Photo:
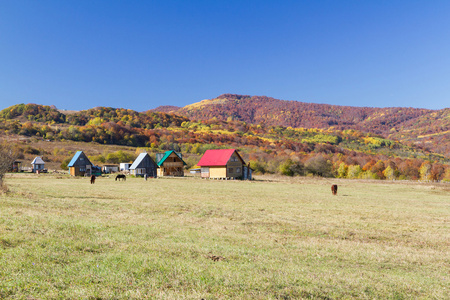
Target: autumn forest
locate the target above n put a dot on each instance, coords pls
(276, 136)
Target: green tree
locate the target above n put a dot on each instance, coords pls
(291, 168)
(65, 163)
(319, 165)
(354, 171)
(368, 175)
(259, 167)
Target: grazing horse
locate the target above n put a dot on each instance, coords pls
(121, 176)
(92, 179)
(334, 189)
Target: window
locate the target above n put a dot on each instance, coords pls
(230, 170)
(82, 169)
(238, 170)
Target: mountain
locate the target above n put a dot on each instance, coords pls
(422, 127)
(275, 112)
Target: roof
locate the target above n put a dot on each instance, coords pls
(138, 160)
(166, 155)
(37, 161)
(217, 157)
(76, 157)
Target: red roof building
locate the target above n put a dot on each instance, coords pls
(222, 163)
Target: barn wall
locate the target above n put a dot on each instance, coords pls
(217, 172)
(75, 171)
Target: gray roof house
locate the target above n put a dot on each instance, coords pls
(144, 164)
(38, 164)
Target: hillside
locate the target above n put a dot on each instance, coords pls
(329, 152)
(421, 127)
(165, 108)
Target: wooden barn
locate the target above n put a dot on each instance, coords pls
(38, 165)
(144, 164)
(170, 163)
(222, 163)
(80, 165)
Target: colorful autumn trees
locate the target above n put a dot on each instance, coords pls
(290, 151)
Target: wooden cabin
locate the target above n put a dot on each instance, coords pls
(38, 165)
(80, 165)
(144, 164)
(170, 163)
(222, 163)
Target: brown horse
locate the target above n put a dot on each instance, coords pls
(92, 179)
(334, 189)
(121, 176)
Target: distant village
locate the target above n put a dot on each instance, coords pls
(214, 164)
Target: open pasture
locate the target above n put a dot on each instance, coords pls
(188, 238)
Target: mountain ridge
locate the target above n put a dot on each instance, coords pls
(428, 127)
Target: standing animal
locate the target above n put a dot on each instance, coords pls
(121, 176)
(92, 179)
(334, 189)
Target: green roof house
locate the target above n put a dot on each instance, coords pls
(170, 163)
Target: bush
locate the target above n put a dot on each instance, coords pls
(291, 168)
(319, 165)
(65, 162)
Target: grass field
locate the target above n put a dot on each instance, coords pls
(188, 238)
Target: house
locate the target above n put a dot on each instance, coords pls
(143, 164)
(222, 163)
(170, 163)
(124, 166)
(108, 169)
(38, 165)
(80, 165)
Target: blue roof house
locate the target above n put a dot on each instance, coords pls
(80, 165)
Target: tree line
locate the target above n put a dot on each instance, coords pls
(290, 151)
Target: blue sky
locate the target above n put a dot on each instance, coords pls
(142, 54)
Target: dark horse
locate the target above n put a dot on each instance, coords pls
(92, 179)
(121, 176)
(334, 189)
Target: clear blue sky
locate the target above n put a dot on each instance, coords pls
(142, 54)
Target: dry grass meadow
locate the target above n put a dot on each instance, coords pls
(188, 238)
